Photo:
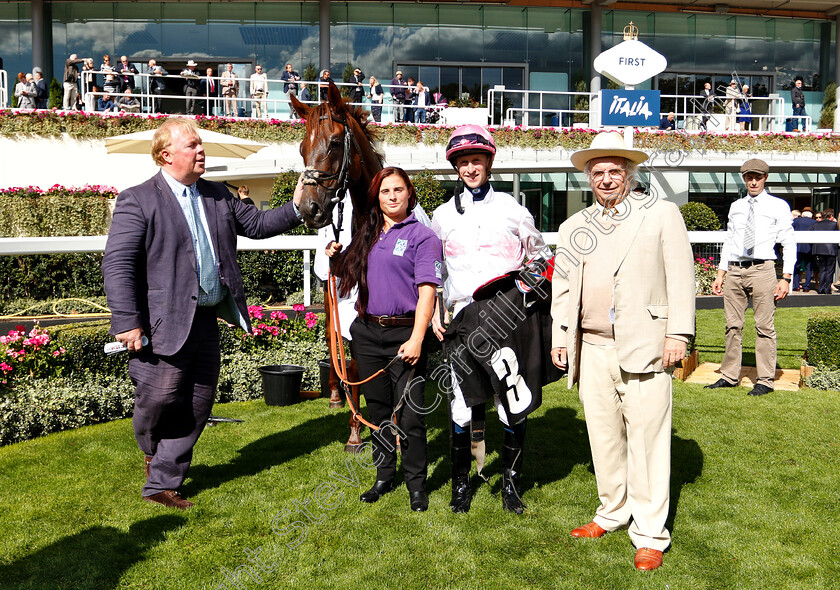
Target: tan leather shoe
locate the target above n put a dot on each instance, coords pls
(647, 559)
(589, 531)
(170, 499)
(147, 462)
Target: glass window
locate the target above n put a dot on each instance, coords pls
(460, 34)
(15, 37)
(450, 82)
(229, 26)
(753, 44)
(675, 38)
(549, 38)
(416, 33)
(181, 33)
(91, 30)
(505, 34)
(277, 34)
(371, 39)
(137, 30)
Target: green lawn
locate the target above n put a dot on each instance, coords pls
(790, 335)
(754, 489)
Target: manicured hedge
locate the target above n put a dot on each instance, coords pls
(823, 333)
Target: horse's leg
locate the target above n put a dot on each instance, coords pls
(354, 443)
(336, 400)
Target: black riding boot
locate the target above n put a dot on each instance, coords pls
(512, 465)
(461, 458)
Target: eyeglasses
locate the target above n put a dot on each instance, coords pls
(818, 217)
(615, 174)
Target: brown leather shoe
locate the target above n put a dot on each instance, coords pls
(147, 462)
(589, 531)
(170, 499)
(647, 559)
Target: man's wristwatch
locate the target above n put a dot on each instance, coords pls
(786, 279)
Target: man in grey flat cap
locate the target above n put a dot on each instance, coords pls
(748, 261)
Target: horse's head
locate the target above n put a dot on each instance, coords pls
(332, 157)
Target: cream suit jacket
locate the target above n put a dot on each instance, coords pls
(653, 283)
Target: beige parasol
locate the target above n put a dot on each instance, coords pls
(215, 144)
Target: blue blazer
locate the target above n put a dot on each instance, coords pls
(149, 264)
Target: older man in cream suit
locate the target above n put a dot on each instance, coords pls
(623, 312)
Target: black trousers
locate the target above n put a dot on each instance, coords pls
(373, 346)
(826, 264)
(173, 398)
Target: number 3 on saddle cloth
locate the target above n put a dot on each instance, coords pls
(499, 344)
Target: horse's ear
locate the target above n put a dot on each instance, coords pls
(301, 109)
(334, 95)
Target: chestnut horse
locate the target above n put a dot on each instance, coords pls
(339, 156)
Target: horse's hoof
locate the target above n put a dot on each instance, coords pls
(336, 400)
(352, 448)
(336, 404)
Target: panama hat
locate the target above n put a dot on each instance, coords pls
(607, 144)
(191, 63)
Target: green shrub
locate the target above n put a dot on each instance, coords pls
(57, 211)
(829, 107)
(823, 333)
(824, 378)
(240, 378)
(56, 94)
(84, 343)
(430, 193)
(39, 406)
(699, 217)
(50, 276)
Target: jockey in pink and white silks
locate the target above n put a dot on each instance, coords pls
(485, 234)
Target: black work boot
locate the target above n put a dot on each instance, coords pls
(461, 458)
(512, 466)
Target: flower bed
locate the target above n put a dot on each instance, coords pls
(95, 125)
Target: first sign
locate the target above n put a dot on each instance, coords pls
(630, 63)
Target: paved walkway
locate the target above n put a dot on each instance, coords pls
(786, 379)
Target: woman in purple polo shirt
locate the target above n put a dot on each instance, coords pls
(396, 263)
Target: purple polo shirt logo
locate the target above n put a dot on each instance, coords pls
(438, 269)
(400, 246)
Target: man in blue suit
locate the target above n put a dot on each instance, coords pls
(170, 270)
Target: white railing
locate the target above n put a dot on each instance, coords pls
(305, 244)
(689, 113)
(275, 106)
(4, 89)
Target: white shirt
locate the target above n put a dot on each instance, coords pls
(773, 224)
(259, 83)
(493, 237)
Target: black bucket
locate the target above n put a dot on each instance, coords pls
(324, 365)
(281, 384)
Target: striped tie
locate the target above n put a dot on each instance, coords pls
(207, 275)
(749, 230)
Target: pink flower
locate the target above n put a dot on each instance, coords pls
(6, 368)
(298, 307)
(278, 315)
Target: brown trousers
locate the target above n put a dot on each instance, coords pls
(759, 283)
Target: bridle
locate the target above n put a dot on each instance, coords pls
(313, 176)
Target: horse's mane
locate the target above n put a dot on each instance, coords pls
(360, 115)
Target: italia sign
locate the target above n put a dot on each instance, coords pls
(637, 108)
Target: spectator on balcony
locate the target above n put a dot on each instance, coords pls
(230, 91)
(398, 87)
(71, 82)
(324, 84)
(126, 73)
(25, 91)
(797, 101)
(422, 101)
(191, 83)
(110, 84)
(745, 110)
(290, 78)
(42, 101)
(157, 85)
(105, 103)
(410, 95)
(243, 192)
(88, 78)
(668, 122)
(210, 92)
(128, 103)
(259, 92)
(377, 97)
(357, 91)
